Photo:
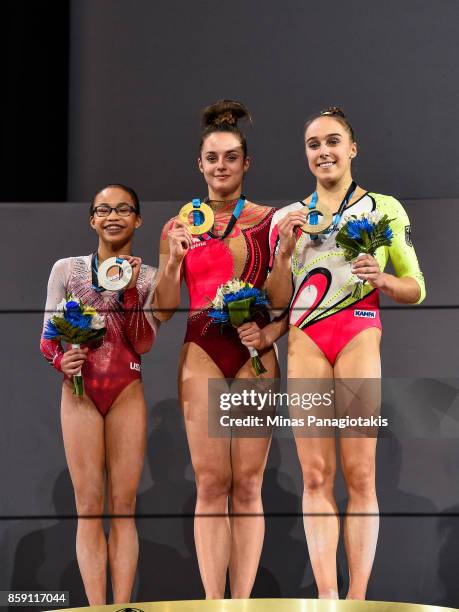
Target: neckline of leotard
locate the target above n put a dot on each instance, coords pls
(346, 207)
(231, 223)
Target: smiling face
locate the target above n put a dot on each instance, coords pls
(329, 150)
(115, 229)
(223, 164)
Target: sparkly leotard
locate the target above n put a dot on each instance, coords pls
(322, 304)
(113, 363)
(244, 254)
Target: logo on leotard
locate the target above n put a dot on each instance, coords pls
(135, 366)
(365, 314)
(198, 243)
(408, 238)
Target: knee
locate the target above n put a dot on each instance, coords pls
(247, 489)
(122, 503)
(211, 486)
(317, 479)
(89, 501)
(360, 480)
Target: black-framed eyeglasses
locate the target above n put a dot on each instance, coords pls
(123, 210)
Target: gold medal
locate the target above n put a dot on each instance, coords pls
(205, 210)
(323, 224)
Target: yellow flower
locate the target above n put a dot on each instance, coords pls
(89, 310)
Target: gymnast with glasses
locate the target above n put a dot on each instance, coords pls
(104, 431)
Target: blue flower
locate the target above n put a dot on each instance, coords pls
(245, 294)
(389, 233)
(356, 227)
(50, 332)
(219, 316)
(72, 305)
(77, 319)
(353, 230)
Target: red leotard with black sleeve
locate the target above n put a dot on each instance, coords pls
(243, 254)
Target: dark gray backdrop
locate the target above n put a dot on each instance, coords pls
(140, 73)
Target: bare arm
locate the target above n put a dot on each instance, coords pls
(175, 242)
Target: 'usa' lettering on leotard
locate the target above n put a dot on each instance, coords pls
(365, 314)
(135, 366)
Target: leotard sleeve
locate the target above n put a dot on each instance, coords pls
(52, 350)
(140, 324)
(401, 251)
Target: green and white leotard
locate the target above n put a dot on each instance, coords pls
(323, 281)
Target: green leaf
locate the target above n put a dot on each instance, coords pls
(239, 311)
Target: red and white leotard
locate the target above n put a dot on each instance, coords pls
(113, 363)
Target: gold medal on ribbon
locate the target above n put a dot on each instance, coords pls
(323, 224)
(206, 212)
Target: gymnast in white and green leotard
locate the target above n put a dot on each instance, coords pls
(334, 336)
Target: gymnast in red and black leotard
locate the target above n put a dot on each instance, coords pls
(210, 263)
(226, 470)
(104, 431)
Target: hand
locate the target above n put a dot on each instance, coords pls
(72, 361)
(180, 241)
(287, 227)
(252, 336)
(366, 268)
(135, 263)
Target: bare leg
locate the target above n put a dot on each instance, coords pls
(317, 457)
(125, 432)
(360, 359)
(248, 459)
(83, 433)
(212, 468)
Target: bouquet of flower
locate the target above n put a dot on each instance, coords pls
(236, 302)
(75, 323)
(363, 234)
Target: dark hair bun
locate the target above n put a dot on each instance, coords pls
(333, 111)
(224, 112)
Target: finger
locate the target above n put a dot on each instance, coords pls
(248, 333)
(180, 240)
(80, 352)
(72, 371)
(131, 259)
(293, 221)
(182, 235)
(244, 327)
(297, 222)
(363, 259)
(251, 338)
(365, 265)
(74, 358)
(177, 223)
